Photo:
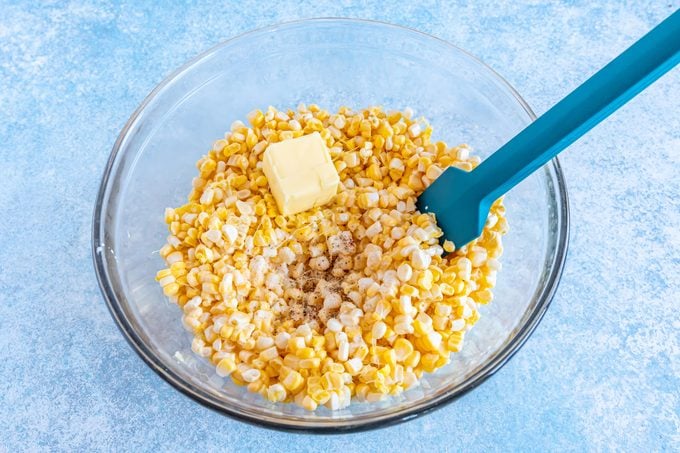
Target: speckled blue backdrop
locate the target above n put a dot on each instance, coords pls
(601, 372)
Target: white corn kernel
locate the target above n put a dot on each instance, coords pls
(320, 263)
(343, 351)
(333, 402)
(378, 330)
(354, 365)
(420, 259)
(374, 230)
(264, 343)
(332, 301)
(404, 272)
(230, 232)
(334, 325)
(457, 325)
(251, 375)
(276, 393)
(281, 340)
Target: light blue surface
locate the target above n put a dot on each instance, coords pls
(602, 370)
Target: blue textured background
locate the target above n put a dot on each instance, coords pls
(601, 371)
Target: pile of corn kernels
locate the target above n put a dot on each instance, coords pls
(354, 299)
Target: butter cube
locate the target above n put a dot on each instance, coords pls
(300, 173)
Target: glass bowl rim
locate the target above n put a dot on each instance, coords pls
(176, 381)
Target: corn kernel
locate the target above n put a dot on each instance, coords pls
(293, 381)
(309, 403)
(276, 393)
(402, 348)
(310, 363)
(305, 353)
(225, 367)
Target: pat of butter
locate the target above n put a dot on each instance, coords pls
(301, 173)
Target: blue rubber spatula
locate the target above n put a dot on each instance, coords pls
(461, 200)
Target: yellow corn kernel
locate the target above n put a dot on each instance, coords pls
(308, 403)
(320, 396)
(336, 368)
(420, 327)
(226, 366)
(291, 361)
(259, 239)
(361, 390)
(305, 353)
(399, 141)
(442, 309)
(226, 331)
(368, 374)
(160, 275)
(374, 173)
(295, 344)
(429, 362)
(170, 215)
(332, 381)
(455, 341)
(171, 289)
(408, 290)
(293, 381)
(231, 149)
(459, 286)
(280, 221)
(286, 135)
(276, 393)
(318, 342)
(361, 352)
(237, 379)
(178, 268)
(443, 359)
(354, 126)
(381, 390)
(256, 387)
(431, 341)
(425, 280)
(239, 181)
(483, 296)
(402, 349)
(368, 200)
(314, 125)
(378, 142)
(446, 289)
(313, 383)
(389, 357)
(351, 159)
(330, 340)
(256, 118)
(310, 363)
(269, 354)
(207, 168)
(260, 208)
(412, 359)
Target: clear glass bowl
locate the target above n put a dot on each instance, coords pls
(330, 62)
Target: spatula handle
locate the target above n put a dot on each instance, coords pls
(632, 71)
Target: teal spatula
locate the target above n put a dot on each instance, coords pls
(461, 200)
